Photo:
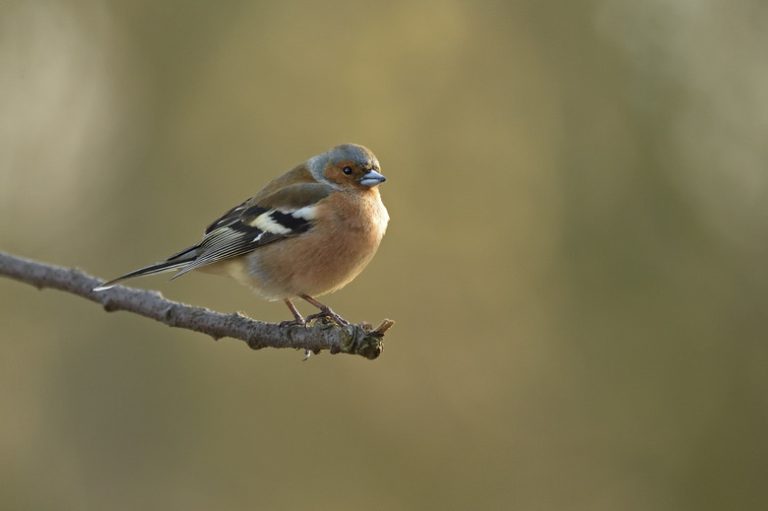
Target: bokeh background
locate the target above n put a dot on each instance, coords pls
(576, 257)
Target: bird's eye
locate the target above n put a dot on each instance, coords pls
(347, 170)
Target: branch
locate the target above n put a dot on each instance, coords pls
(353, 339)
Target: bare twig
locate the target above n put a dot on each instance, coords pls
(353, 339)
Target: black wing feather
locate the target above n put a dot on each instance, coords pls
(234, 233)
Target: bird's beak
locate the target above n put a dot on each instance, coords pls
(372, 178)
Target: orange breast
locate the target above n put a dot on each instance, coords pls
(346, 235)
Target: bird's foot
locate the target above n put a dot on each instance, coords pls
(293, 322)
(327, 313)
(298, 318)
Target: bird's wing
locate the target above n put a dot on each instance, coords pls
(285, 213)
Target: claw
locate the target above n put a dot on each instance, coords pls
(329, 314)
(325, 311)
(293, 322)
(298, 318)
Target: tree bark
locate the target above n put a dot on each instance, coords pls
(319, 335)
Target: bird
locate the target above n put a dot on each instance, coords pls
(306, 233)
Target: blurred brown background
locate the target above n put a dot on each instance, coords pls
(576, 257)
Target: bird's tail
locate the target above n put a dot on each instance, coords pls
(174, 262)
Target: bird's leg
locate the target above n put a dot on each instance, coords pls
(325, 311)
(299, 319)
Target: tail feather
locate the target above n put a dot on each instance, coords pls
(148, 270)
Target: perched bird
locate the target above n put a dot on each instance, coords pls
(306, 233)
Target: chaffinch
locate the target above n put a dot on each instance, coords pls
(306, 233)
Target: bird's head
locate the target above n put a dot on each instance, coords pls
(348, 165)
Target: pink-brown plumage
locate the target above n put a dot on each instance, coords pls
(307, 232)
(344, 239)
